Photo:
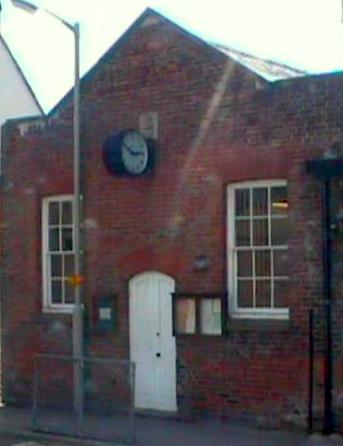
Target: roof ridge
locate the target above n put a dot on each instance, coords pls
(271, 61)
(271, 70)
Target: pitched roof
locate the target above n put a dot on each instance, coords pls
(268, 69)
(21, 74)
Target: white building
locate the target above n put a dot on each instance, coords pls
(16, 96)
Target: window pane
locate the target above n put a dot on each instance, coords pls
(263, 293)
(242, 202)
(56, 291)
(245, 293)
(260, 232)
(67, 213)
(56, 266)
(69, 293)
(185, 316)
(54, 239)
(244, 263)
(280, 262)
(211, 322)
(242, 233)
(260, 201)
(69, 265)
(279, 231)
(54, 213)
(279, 203)
(280, 293)
(67, 239)
(262, 264)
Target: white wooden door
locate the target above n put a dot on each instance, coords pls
(152, 344)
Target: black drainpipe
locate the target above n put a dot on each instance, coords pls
(327, 288)
(326, 169)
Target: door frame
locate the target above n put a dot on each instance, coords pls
(132, 282)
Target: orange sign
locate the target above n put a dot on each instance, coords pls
(76, 280)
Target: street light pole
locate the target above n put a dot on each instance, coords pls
(77, 314)
(78, 278)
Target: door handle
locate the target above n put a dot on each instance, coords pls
(158, 355)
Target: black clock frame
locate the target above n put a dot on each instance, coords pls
(112, 155)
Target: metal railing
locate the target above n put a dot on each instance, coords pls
(107, 411)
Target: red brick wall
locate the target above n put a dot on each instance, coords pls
(218, 123)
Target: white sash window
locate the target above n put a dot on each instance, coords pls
(58, 253)
(258, 249)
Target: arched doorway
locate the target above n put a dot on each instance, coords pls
(152, 345)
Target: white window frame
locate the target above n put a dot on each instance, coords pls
(234, 311)
(48, 306)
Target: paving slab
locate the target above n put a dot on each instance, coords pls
(15, 430)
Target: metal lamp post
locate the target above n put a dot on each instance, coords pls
(77, 314)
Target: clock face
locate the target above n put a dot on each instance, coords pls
(134, 152)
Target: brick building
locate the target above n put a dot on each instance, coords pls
(210, 201)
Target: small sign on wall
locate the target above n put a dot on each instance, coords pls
(148, 125)
(105, 314)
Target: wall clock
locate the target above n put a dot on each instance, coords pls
(127, 152)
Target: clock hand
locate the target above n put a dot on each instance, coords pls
(133, 152)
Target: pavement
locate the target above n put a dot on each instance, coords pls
(15, 430)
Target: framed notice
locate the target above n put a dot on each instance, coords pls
(199, 314)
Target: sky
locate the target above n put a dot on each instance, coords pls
(306, 34)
